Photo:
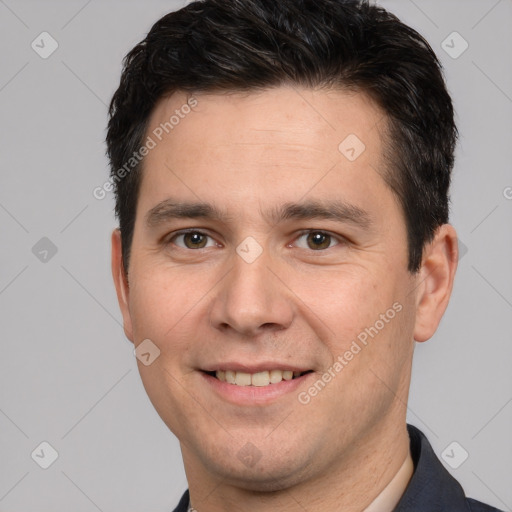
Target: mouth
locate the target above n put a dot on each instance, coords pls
(258, 379)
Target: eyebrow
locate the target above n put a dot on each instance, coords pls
(337, 210)
(331, 210)
(170, 209)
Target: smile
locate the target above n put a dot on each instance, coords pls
(259, 379)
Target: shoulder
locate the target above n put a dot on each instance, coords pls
(183, 504)
(432, 487)
(477, 506)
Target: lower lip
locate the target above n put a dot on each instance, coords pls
(252, 395)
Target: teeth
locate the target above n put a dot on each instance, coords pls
(242, 379)
(260, 379)
(255, 379)
(276, 376)
(230, 376)
(287, 375)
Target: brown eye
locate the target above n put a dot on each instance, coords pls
(318, 240)
(194, 240)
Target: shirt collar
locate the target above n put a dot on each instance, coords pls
(387, 500)
(431, 487)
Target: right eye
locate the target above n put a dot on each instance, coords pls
(192, 240)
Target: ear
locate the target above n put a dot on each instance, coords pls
(435, 278)
(121, 283)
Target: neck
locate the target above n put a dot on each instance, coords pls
(373, 477)
(388, 499)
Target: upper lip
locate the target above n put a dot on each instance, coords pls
(254, 368)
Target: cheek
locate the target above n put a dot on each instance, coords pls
(162, 302)
(368, 319)
(347, 299)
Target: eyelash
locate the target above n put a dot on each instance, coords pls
(338, 238)
(185, 232)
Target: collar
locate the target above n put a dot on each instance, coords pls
(431, 487)
(387, 500)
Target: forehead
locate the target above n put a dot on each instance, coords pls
(273, 115)
(286, 142)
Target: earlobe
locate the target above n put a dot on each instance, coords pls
(436, 276)
(121, 283)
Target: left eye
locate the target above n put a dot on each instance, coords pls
(192, 240)
(316, 240)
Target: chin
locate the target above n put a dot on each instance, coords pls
(269, 474)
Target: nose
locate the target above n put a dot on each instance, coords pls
(252, 299)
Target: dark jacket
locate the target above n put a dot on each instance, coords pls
(431, 489)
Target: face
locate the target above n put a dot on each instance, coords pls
(267, 245)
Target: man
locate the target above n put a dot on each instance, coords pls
(281, 172)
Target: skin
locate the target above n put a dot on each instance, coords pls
(245, 154)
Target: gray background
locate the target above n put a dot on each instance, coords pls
(67, 373)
